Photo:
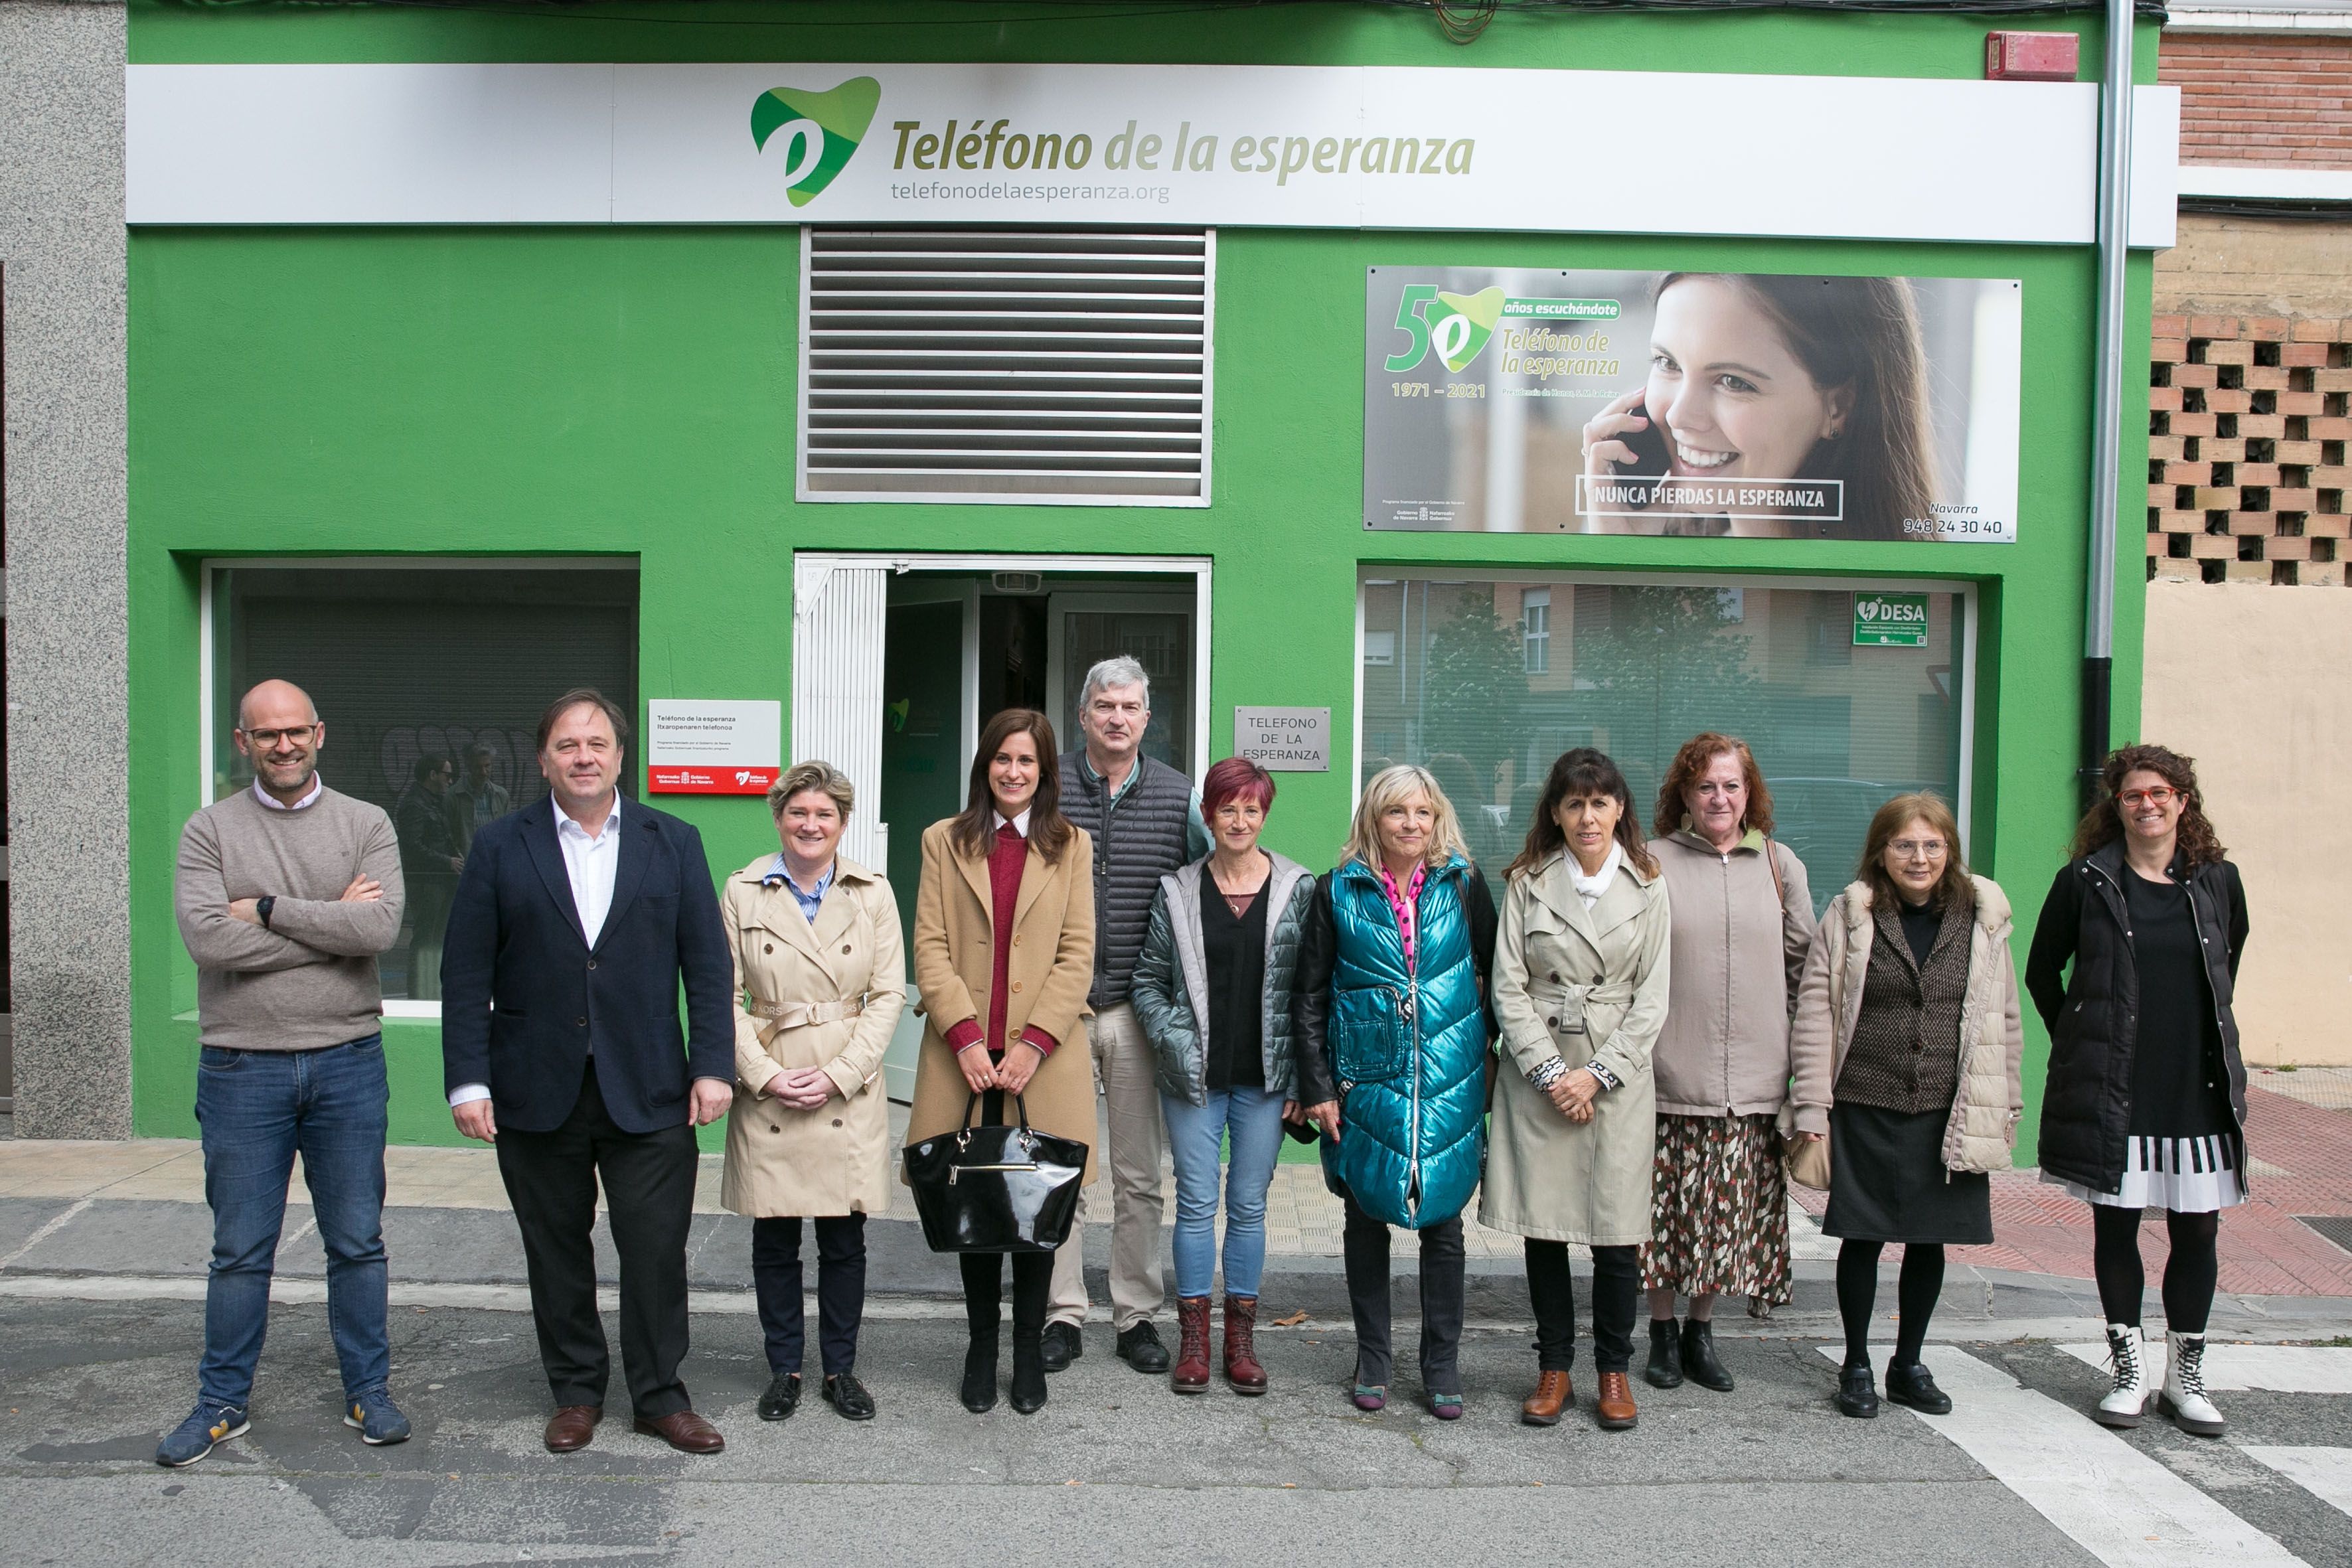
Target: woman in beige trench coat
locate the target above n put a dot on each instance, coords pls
(1581, 973)
(820, 979)
(1004, 950)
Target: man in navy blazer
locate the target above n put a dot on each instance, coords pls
(576, 920)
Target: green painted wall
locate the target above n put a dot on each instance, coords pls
(631, 391)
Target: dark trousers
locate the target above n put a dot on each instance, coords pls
(1616, 1283)
(1366, 1245)
(840, 1289)
(648, 1182)
(983, 1272)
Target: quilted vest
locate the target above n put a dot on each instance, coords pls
(1138, 841)
(1411, 1053)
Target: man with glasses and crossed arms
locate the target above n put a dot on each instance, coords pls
(286, 892)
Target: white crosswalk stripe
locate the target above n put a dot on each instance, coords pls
(2324, 1473)
(2123, 1507)
(2280, 1369)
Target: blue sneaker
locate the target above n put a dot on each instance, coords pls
(378, 1419)
(191, 1440)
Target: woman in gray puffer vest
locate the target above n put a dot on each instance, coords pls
(1212, 992)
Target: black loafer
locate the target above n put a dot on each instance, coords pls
(1856, 1396)
(1140, 1347)
(784, 1397)
(1913, 1386)
(847, 1396)
(1060, 1346)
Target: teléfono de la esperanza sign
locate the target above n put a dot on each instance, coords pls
(1313, 147)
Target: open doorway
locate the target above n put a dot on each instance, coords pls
(898, 662)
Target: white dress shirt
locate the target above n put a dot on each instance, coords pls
(309, 796)
(1018, 824)
(591, 864)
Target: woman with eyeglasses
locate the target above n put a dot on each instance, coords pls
(2147, 1100)
(1908, 1014)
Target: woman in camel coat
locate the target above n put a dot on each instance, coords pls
(820, 981)
(1005, 952)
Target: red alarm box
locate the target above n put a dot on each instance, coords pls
(2032, 57)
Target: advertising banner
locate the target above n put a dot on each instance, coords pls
(1274, 147)
(1700, 405)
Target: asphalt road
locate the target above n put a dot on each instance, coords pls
(1117, 1470)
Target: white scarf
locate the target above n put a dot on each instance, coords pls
(1590, 889)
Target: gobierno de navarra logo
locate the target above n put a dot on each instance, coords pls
(816, 130)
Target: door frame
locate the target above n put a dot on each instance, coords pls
(811, 564)
(1058, 673)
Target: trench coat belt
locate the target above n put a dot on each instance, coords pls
(1617, 994)
(799, 1014)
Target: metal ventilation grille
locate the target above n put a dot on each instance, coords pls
(1007, 363)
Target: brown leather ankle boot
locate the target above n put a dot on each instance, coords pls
(1190, 1373)
(1554, 1393)
(1242, 1368)
(1614, 1409)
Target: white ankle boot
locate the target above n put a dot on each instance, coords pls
(2184, 1398)
(2126, 1402)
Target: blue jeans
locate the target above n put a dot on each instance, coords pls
(1195, 1135)
(258, 1109)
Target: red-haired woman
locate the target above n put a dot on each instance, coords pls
(1212, 993)
(1004, 950)
(1743, 921)
(2146, 1098)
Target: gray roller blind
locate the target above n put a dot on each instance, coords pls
(1031, 364)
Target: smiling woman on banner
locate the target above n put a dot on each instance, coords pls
(1755, 377)
(820, 980)
(1004, 950)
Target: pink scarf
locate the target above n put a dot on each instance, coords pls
(1403, 904)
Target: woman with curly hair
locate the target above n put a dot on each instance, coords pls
(1743, 923)
(2147, 1100)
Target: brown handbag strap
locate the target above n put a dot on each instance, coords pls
(1779, 889)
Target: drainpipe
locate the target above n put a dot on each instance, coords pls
(2107, 409)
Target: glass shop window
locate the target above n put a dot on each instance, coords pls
(1490, 681)
(430, 683)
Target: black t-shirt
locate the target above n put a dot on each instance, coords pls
(2180, 1085)
(1921, 922)
(1235, 948)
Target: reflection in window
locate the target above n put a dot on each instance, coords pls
(430, 683)
(1638, 669)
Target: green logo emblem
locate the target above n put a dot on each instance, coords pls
(1460, 324)
(818, 131)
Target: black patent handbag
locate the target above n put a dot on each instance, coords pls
(996, 1189)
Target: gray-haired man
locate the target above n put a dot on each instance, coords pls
(1145, 819)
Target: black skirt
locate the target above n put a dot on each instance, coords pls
(1888, 1180)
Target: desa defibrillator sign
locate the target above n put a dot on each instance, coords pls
(1890, 620)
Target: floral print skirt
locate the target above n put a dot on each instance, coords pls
(1719, 1209)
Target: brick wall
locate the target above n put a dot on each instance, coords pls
(2248, 426)
(2262, 99)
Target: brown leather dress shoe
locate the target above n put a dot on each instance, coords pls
(569, 1429)
(1554, 1393)
(684, 1431)
(1615, 1408)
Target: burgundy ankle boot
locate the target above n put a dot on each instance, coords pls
(1190, 1373)
(1242, 1368)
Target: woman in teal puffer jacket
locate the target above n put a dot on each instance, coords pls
(1391, 1023)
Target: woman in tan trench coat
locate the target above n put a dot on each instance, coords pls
(820, 981)
(1581, 973)
(1004, 950)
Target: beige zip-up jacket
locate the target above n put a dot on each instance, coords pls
(1991, 1099)
(1738, 948)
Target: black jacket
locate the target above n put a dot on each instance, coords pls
(524, 998)
(2093, 1014)
(1139, 840)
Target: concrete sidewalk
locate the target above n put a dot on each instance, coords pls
(127, 1219)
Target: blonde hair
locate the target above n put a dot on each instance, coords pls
(812, 778)
(1392, 786)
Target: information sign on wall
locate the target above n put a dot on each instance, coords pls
(1285, 740)
(1890, 620)
(1701, 404)
(713, 747)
